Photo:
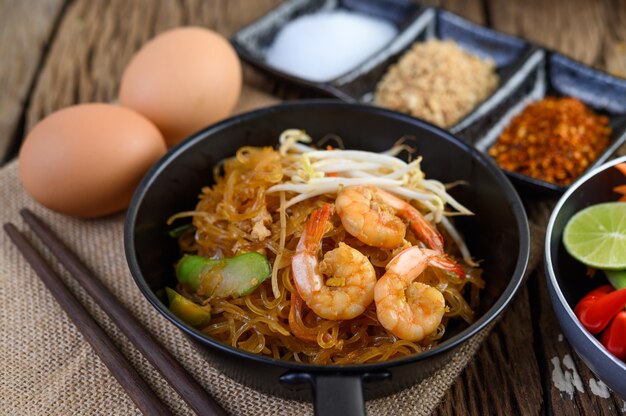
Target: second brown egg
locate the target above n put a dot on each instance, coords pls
(183, 80)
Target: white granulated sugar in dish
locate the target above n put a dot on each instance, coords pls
(325, 45)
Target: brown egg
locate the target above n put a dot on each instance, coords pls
(183, 80)
(87, 160)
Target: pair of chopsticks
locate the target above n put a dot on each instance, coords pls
(136, 387)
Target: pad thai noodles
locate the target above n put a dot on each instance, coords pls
(325, 256)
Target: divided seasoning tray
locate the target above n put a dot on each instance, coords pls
(551, 74)
(253, 41)
(527, 72)
(414, 24)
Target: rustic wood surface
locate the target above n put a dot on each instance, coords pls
(60, 52)
(22, 48)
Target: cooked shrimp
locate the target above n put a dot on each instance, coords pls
(350, 288)
(411, 310)
(374, 217)
(298, 329)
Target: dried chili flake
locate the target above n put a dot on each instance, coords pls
(554, 140)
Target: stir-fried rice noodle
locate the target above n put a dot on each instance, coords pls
(261, 201)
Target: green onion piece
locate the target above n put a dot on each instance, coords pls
(235, 276)
(617, 278)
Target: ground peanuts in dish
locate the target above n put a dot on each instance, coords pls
(437, 81)
(554, 140)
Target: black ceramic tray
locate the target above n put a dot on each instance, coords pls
(527, 71)
(252, 41)
(414, 23)
(548, 73)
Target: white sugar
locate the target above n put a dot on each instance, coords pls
(322, 46)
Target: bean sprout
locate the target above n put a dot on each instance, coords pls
(314, 172)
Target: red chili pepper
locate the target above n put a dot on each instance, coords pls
(614, 338)
(591, 297)
(596, 310)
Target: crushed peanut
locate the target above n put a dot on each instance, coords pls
(437, 81)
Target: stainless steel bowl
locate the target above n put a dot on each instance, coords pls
(566, 276)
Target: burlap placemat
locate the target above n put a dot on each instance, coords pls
(48, 368)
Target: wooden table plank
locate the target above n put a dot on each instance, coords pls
(576, 28)
(614, 52)
(506, 365)
(111, 31)
(25, 30)
(470, 9)
(496, 371)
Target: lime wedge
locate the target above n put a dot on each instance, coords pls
(596, 236)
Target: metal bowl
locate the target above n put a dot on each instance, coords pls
(567, 283)
(498, 234)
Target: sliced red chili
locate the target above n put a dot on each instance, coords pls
(614, 338)
(596, 310)
(591, 297)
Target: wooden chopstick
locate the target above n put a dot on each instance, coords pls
(138, 390)
(171, 370)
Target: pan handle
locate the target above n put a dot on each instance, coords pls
(336, 394)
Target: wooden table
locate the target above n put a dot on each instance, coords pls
(60, 52)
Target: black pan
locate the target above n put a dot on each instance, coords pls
(498, 234)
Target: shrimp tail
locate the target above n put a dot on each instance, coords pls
(425, 231)
(298, 329)
(448, 264)
(314, 229)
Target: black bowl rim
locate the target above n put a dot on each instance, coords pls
(449, 344)
(552, 282)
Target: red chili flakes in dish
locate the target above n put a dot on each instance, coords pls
(554, 140)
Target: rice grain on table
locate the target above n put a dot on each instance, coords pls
(437, 81)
